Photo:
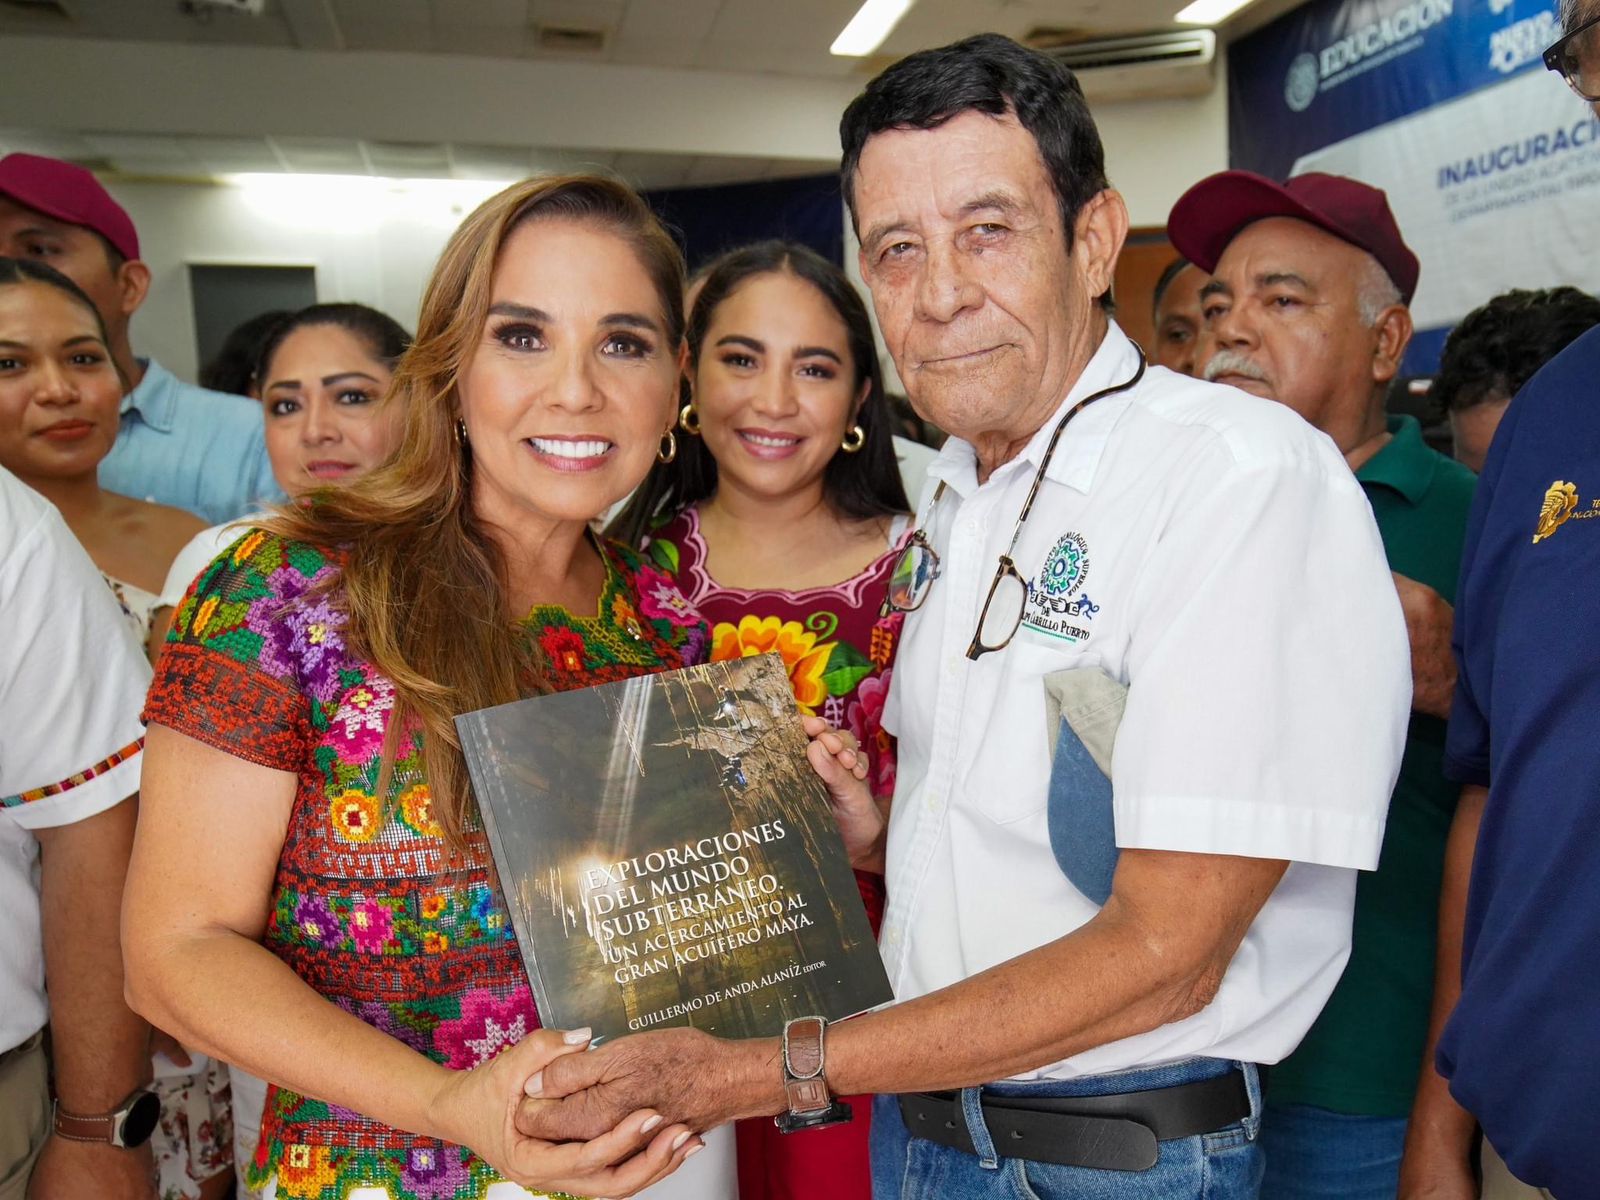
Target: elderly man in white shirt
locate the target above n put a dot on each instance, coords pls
(1149, 623)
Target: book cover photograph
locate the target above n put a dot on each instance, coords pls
(669, 856)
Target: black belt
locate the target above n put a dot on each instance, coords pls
(1108, 1133)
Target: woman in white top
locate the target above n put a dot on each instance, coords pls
(60, 401)
(320, 377)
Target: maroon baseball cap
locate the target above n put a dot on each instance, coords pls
(68, 193)
(1211, 213)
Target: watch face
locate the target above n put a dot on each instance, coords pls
(140, 1123)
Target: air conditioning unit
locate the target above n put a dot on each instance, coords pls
(1151, 66)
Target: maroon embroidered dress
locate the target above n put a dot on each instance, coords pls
(840, 656)
(363, 907)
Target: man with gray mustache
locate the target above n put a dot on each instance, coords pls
(1308, 307)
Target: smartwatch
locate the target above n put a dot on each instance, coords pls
(811, 1105)
(127, 1126)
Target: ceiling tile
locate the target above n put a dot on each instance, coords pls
(490, 162)
(653, 51)
(372, 12)
(408, 37)
(782, 23)
(794, 168)
(137, 145)
(653, 170)
(669, 20)
(231, 156)
(585, 14)
(505, 14)
(68, 146)
(409, 160)
(713, 169)
(322, 156)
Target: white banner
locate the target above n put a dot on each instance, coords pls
(1495, 190)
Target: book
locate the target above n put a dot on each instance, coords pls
(670, 857)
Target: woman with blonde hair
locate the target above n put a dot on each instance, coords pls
(344, 935)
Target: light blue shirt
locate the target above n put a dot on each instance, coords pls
(192, 448)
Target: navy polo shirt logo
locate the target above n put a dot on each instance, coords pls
(1560, 498)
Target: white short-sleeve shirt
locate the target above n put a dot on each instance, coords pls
(71, 687)
(196, 556)
(1214, 553)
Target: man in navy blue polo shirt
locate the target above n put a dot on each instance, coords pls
(1519, 1050)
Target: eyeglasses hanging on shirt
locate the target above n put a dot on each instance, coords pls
(1001, 616)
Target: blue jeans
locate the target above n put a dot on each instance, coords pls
(1225, 1165)
(1318, 1154)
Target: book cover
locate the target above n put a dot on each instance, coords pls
(669, 856)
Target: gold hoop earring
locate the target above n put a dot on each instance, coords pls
(668, 450)
(854, 440)
(689, 420)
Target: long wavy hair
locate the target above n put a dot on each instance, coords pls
(423, 581)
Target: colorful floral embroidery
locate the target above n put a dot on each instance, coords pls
(434, 1173)
(363, 715)
(663, 601)
(368, 907)
(488, 1024)
(355, 816)
(371, 925)
(821, 633)
(305, 1171)
(864, 719)
(563, 646)
(416, 810)
(314, 921)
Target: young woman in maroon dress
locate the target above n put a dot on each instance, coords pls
(781, 519)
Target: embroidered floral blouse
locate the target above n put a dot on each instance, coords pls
(364, 907)
(839, 651)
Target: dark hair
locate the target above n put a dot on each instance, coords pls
(860, 485)
(1175, 268)
(26, 270)
(234, 365)
(1497, 348)
(382, 335)
(994, 75)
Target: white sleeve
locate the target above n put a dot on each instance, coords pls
(196, 557)
(72, 680)
(1269, 673)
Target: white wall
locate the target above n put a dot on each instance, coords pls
(367, 243)
(372, 244)
(1155, 149)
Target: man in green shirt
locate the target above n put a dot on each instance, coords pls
(1308, 307)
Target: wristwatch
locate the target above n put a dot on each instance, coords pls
(811, 1105)
(128, 1125)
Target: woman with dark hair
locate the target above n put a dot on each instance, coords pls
(344, 934)
(60, 403)
(781, 517)
(233, 369)
(320, 374)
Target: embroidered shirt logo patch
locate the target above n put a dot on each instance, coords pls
(1056, 600)
(1560, 498)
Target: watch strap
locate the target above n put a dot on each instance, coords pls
(805, 1085)
(87, 1127)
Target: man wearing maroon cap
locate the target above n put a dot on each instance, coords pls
(1307, 307)
(178, 444)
